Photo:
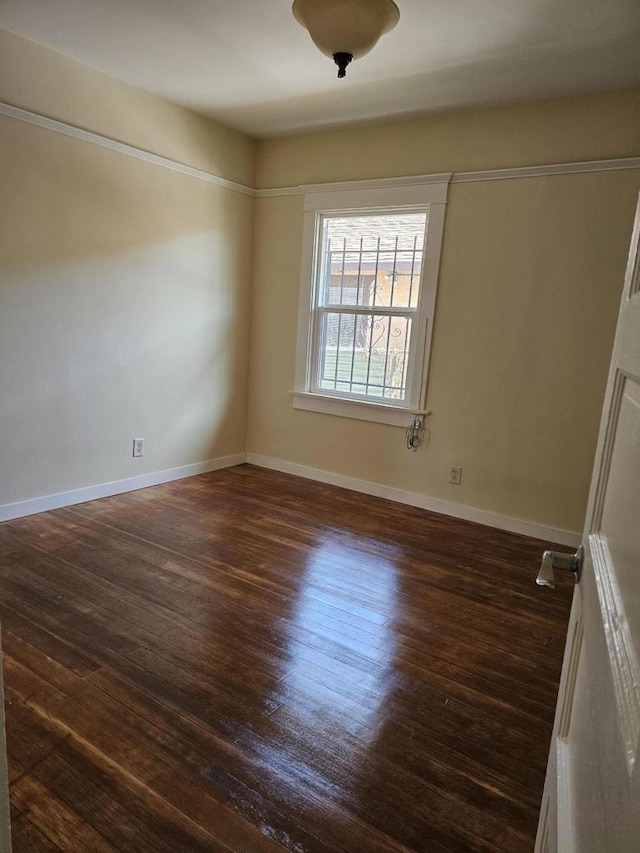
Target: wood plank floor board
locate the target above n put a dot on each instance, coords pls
(59, 650)
(160, 757)
(415, 808)
(61, 825)
(28, 839)
(127, 813)
(247, 661)
(422, 747)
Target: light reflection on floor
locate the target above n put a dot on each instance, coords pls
(338, 664)
(341, 654)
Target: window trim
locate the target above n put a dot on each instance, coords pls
(432, 195)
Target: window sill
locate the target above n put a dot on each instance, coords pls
(359, 410)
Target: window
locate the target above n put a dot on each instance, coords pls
(367, 300)
(369, 270)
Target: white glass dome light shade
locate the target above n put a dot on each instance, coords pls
(350, 27)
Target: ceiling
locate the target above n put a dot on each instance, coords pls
(248, 63)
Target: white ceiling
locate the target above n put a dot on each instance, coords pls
(248, 63)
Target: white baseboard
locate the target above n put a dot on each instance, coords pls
(131, 484)
(117, 487)
(468, 513)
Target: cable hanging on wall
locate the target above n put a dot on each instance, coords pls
(415, 433)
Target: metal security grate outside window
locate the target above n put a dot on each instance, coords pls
(370, 270)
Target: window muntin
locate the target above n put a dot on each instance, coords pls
(369, 271)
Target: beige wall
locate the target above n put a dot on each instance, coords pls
(593, 127)
(35, 78)
(124, 287)
(124, 293)
(529, 289)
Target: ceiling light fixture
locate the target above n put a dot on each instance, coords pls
(346, 29)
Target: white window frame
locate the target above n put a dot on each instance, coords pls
(362, 198)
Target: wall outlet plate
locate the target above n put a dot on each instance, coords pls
(455, 475)
(138, 446)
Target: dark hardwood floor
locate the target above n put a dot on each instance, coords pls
(250, 661)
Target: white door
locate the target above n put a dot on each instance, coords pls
(591, 802)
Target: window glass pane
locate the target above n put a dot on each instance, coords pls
(364, 354)
(373, 260)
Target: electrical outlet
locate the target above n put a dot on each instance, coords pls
(455, 475)
(138, 446)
